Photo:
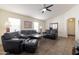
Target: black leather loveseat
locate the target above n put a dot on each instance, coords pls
(17, 42)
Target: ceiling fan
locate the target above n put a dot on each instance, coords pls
(46, 8)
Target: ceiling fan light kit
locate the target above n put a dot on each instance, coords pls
(43, 10)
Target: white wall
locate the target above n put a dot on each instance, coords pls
(62, 21)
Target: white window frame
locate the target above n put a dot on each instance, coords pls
(15, 24)
(36, 26)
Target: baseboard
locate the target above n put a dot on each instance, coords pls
(70, 35)
(61, 37)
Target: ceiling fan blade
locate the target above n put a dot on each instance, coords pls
(48, 9)
(49, 6)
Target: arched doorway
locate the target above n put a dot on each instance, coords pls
(71, 27)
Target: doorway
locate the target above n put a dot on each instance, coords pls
(71, 26)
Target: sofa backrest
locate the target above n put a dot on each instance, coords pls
(10, 35)
(51, 31)
(28, 32)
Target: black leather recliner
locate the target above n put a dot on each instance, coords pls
(10, 45)
(50, 34)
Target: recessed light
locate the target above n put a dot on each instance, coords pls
(71, 20)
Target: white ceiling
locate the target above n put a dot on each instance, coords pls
(34, 10)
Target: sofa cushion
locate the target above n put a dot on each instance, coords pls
(28, 32)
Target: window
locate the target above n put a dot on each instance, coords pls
(14, 24)
(54, 25)
(36, 26)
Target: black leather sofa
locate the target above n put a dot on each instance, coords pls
(51, 34)
(17, 42)
(27, 33)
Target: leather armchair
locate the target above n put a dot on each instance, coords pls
(10, 44)
(53, 34)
